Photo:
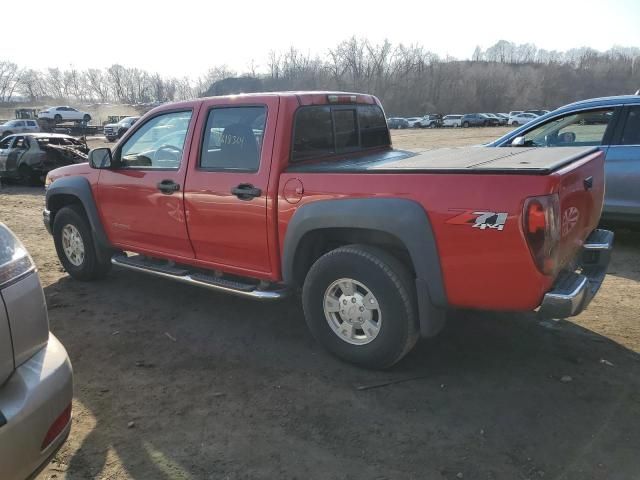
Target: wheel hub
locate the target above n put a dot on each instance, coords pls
(352, 311)
(73, 245)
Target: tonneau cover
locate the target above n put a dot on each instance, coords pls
(508, 160)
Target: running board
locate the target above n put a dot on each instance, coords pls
(181, 274)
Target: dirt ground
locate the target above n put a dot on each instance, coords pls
(223, 388)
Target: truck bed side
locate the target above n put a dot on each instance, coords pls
(482, 268)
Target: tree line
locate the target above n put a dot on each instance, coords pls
(409, 80)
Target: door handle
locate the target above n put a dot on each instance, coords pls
(168, 187)
(246, 191)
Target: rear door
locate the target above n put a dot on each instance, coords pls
(623, 168)
(141, 199)
(226, 189)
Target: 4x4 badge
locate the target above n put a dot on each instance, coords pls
(481, 220)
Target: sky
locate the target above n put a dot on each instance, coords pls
(187, 37)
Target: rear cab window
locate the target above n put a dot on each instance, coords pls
(326, 130)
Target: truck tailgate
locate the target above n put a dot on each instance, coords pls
(581, 193)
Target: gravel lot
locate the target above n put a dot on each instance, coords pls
(175, 382)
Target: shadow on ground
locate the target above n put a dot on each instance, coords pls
(220, 387)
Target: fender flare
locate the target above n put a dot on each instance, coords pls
(404, 219)
(80, 188)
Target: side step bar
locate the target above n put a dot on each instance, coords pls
(181, 274)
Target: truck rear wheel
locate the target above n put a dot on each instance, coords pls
(359, 303)
(76, 249)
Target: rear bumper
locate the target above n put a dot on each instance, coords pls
(573, 291)
(31, 400)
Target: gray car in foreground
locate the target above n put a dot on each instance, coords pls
(610, 123)
(36, 381)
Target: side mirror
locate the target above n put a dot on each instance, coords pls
(100, 158)
(518, 142)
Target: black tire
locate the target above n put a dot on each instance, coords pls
(465, 125)
(96, 262)
(57, 117)
(86, 118)
(121, 132)
(391, 284)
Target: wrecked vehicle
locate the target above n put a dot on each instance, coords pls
(29, 157)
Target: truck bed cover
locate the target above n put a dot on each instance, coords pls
(504, 160)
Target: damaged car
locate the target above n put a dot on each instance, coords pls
(29, 157)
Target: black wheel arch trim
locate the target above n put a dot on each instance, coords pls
(404, 219)
(80, 188)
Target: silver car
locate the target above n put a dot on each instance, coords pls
(613, 125)
(36, 382)
(18, 126)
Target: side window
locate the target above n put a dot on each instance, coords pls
(631, 133)
(6, 143)
(20, 143)
(373, 128)
(19, 124)
(232, 139)
(576, 129)
(313, 135)
(31, 123)
(158, 143)
(346, 129)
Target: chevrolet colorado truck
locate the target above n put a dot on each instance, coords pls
(261, 195)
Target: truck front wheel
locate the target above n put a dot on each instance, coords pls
(359, 303)
(76, 249)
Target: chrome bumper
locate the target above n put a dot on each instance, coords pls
(572, 291)
(46, 219)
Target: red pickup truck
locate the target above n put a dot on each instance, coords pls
(264, 194)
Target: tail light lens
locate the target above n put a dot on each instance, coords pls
(57, 427)
(541, 219)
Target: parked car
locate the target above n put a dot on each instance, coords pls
(452, 121)
(113, 131)
(611, 124)
(493, 119)
(29, 157)
(522, 119)
(430, 121)
(397, 122)
(539, 113)
(513, 113)
(502, 118)
(64, 114)
(36, 382)
(18, 126)
(382, 242)
(475, 120)
(414, 122)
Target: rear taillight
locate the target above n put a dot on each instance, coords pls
(57, 427)
(541, 224)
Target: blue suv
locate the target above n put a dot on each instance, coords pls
(610, 123)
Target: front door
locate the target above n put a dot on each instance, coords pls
(622, 196)
(226, 193)
(141, 198)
